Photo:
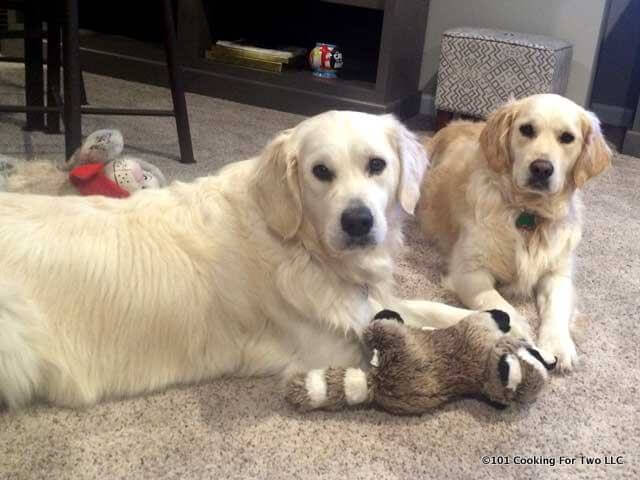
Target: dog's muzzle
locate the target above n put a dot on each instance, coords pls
(540, 172)
(357, 222)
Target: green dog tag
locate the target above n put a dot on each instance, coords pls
(526, 221)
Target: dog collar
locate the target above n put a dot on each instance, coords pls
(526, 221)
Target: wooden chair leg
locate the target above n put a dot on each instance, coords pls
(443, 117)
(83, 90)
(34, 70)
(53, 65)
(72, 79)
(177, 86)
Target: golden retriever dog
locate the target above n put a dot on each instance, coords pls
(503, 203)
(273, 266)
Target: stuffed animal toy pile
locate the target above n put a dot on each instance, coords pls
(413, 371)
(96, 168)
(101, 170)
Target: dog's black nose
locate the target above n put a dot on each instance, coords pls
(541, 169)
(357, 221)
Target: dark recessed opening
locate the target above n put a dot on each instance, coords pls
(355, 30)
(129, 18)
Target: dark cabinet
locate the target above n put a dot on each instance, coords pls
(382, 41)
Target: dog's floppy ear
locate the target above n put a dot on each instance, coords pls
(275, 186)
(496, 134)
(413, 164)
(595, 156)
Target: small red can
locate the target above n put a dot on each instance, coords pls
(325, 59)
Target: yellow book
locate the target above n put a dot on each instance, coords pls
(254, 63)
(281, 55)
(236, 52)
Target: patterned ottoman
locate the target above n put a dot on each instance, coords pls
(481, 68)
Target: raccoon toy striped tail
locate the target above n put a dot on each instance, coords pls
(330, 389)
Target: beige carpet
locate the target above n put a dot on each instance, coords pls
(243, 429)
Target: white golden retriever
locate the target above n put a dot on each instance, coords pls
(272, 266)
(502, 201)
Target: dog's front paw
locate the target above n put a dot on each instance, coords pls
(563, 348)
(520, 328)
(510, 324)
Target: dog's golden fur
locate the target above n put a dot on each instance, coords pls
(479, 186)
(242, 273)
(40, 177)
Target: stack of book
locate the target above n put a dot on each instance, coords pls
(250, 56)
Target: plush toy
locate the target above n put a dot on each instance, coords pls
(413, 371)
(97, 168)
(101, 170)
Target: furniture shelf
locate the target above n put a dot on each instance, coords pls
(374, 4)
(388, 83)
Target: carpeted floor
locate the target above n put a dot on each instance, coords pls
(243, 428)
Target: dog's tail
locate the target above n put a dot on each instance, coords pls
(458, 130)
(20, 364)
(330, 389)
(434, 146)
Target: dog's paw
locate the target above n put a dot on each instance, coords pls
(511, 322)
(520, 328)
(563, 348)
(516, 371)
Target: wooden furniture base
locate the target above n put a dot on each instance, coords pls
(64, 16)
(383, 78)
(443, 117)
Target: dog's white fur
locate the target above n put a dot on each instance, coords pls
(241, 273)
(479, 186)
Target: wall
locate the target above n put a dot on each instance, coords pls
(617, 80)
(577, 21)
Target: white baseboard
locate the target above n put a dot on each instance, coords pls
(428, 105)
(613, 114)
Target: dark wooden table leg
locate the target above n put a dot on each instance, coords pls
(631, 143)
(72, 79)
(83, 91)
(443, 117)
(177, 86)
(53, 64)
(33, 63)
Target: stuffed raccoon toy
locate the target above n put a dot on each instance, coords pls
(412, 370)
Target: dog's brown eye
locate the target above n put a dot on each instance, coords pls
(376, 165)
(566, 137)
(527, 130)
(322, 173)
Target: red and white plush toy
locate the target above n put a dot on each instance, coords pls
(96, 168)
(101, 170)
